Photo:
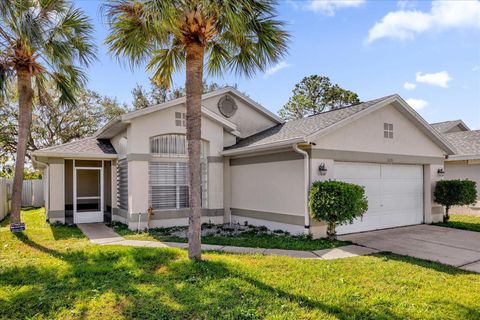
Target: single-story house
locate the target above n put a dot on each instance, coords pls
(257, 169)
(465, 163)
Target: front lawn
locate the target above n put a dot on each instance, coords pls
(464, 222)
(255, 237)
(53, 272)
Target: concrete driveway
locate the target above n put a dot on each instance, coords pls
(446, 245)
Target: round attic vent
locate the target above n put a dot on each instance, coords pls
(227, 106)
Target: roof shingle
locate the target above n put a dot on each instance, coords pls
(88, 145)
(465, 142)
(303, 127)
(444, 126)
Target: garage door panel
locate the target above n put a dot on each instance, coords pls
(398, 171)
(410, 188)
(394, 193)
(345, 170)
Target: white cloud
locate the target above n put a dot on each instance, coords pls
(274, 69)
(476, 68)
(328, 7)
(440, 79)
(405, 4)
(417, 104)
(409, 86)
(406, 24)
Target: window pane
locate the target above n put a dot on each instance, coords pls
(390, 135)
(182, 173)
(163, 197)
(162, 173)
(390, 126)
(385, 134)
(183, 197)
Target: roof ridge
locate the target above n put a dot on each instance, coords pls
(446, 121)
(349, 106)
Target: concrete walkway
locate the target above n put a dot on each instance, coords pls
(99, 233)
(458, 248)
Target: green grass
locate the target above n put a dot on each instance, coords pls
(255, 239)
(464, 222)
(53, 272)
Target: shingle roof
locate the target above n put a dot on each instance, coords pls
(444, 126)
(303, 127)
(465, 142)
(88, 145)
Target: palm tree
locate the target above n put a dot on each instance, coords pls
(40, 41)
(226, 35)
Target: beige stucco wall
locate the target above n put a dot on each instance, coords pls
(366, 135)
(119, 143)
(138, 154)
(248, 120)
(265, 186)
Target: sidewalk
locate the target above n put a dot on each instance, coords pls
(99, 233)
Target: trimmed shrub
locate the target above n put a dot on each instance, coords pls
(450, 193)
(336, 202)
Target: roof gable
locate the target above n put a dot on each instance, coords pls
(306, 129)
(119, 123)
(450, 126)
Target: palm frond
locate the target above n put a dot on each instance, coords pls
(6, 76)
(164, 63)
(130, 35)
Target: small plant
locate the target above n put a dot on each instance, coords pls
(336, 202)
(450, 193)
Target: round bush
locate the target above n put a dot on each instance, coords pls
(336, 202)
(455, 193)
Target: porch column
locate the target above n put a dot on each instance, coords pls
(56, 181)
(433, 212)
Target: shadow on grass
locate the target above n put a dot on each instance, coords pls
(469, 226)
(149, 283)
(436, 266)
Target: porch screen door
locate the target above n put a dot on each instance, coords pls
(87, 195)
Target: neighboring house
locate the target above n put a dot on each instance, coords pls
(465, 163)
(256, 168)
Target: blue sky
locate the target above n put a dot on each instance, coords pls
(429, 53)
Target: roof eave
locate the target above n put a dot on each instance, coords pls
(263, 147)
(109, 156)
(457, 157)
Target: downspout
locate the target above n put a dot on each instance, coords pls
(306, 179)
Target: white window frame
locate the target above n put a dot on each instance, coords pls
(180, 117)
(171, 157)
(388, 130)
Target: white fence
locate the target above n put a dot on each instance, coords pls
(32, 195)
(4, 198)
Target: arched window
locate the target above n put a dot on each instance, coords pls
(174, 145)
(168, 179)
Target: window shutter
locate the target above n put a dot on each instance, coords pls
(122, 184)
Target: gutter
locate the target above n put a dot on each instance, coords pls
(306, 179)
(262, 147)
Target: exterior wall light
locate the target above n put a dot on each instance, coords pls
(322, 169)
(441, 172)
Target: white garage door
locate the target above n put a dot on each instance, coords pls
(394, 192)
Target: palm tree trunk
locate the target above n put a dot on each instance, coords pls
(194, 85)
(25, 96)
